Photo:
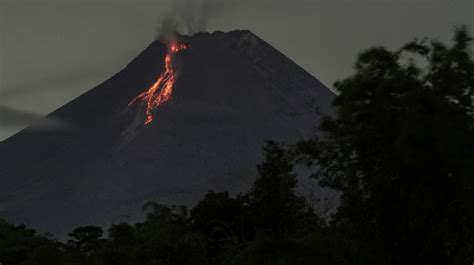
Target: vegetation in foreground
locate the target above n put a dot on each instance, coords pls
(399, 150)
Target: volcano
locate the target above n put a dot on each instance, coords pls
(231, 92)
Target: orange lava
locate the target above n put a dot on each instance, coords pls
(160, 92)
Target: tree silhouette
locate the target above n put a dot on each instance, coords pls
(400, 149)
(278, 209)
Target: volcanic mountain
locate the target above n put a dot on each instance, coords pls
(232, 91)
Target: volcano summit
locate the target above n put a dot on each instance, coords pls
(231, 91)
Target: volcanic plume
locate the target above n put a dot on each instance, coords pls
(234, 91)
(161, 91)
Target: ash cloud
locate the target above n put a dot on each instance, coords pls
(187, 17)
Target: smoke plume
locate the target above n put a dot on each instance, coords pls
(186, 17)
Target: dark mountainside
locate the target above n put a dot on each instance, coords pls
(233, 92)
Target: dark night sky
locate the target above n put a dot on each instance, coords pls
(51, 51)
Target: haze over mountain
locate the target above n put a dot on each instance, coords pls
(233, 91)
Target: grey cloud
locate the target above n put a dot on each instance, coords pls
(12, 118)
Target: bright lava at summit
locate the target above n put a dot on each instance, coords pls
(160, 92)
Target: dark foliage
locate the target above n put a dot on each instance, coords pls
(277, 209)
(401, 151)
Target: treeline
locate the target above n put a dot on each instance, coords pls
(269, 224)
(399, 150)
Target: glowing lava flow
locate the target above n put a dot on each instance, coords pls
(160, 92)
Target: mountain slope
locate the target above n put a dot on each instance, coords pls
(233, 91)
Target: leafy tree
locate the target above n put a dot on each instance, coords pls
(278, 210)
(166, 237)
(224, 221)
(401, 150)
(85, 244)
(287, 229)
(122, 234)
(122, 247)
(21, 245)
(86, 239)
